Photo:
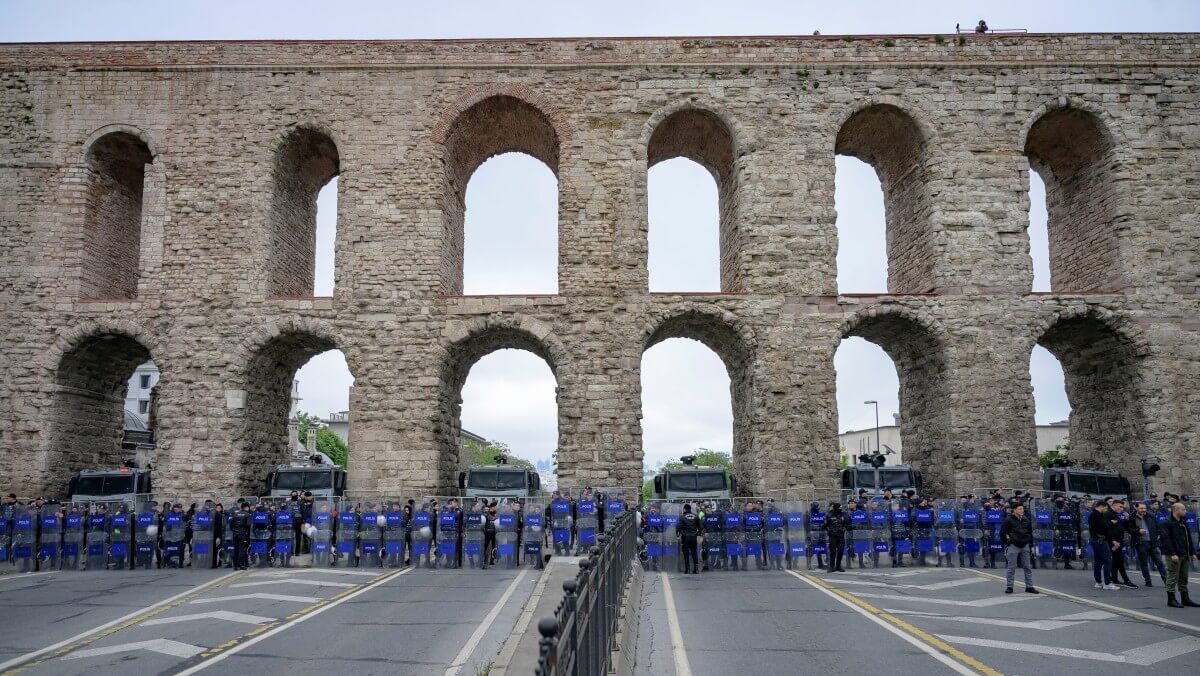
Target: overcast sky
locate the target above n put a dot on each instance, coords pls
(511, 244)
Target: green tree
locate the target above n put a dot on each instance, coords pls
(332, 445)
(475, 453)
(307, 421)
(843, 461)
(1059, 453)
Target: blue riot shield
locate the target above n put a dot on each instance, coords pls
(586, 522)
(393, 534)
(24, 539)
(203, 533)
(174, 537)
(422, 537)
(561, 521)
(285, 537)
(652, 535)
(794, 524)
(322, 533)
(449, 534)
(814, 530)
(735, 539)
(923, 540)
(120, 538)
(347, 537)
(773, 536)
(714, 538)
(1043, 528)
(145, 536)
(508, 535)
(260, 536)
(753, 523)
(371, 523)
(533, 536)
(50, 537)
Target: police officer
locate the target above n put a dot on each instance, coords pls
(836, 523)
(239, 527)
(690, 529)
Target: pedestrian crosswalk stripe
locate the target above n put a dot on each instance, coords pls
(1142, 657)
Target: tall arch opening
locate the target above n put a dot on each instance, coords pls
(924, 401)
(692, 354)
(89, 420)
(1051, 407)
(890, 141)
(862, 253)
(276, 409)
(1074, 155)
(494, 126)
(306, 160)
(867, 376)
(686, 209)
(111, 257)
(1101, 368)
(509, 368)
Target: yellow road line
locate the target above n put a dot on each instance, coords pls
(913, 631)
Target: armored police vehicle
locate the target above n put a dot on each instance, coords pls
(693, 482)
(1074, 482)
(120, 485)
(896, 477)
(499, 481)
(323, 481)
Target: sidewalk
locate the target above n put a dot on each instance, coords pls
(520, 652)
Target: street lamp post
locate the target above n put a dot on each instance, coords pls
(878, 446)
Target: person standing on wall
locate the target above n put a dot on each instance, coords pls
(1017, 533)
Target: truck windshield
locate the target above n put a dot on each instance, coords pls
(1097, 485)
(500, 480)
(696, 481)
(105, 485)
(295, 480)
(890, 478)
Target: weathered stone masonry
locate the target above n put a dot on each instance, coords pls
(156, 200)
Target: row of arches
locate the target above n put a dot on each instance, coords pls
(1069, 149)
(1101, 361)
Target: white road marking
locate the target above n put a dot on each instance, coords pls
(903, 573)
(158, 645)
(928, 587)
(905, 636)
(297, 580)
(331, 571)
(1143, 656)
(682, 666)
(504, 659)
(463, 655)
(214, 615)
(120, 620)
(978, 603)
(265, 597)
(1039, 625)
(288, 625)
(26, 576)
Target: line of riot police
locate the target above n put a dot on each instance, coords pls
(883, 531)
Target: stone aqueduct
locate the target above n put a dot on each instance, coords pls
(157, 200)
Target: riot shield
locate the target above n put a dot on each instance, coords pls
(146, 535)
(970, 533)
(6, 521)
(945, 530)
(993, 521)
(174, 532)
(203, 537)
(371, 523)
(878, 512)
(613, 503)
(561, 523)
(50, 520)
(24, 538)
(672, 561)
(714, 536)
(1066, 532)
(285, 534)
(1043, 529)
(393, 533)
(735, 538)
(587, 522)
(422, 553)
(449, 535)
(261, 532)
(774, 525)
(814, 533)
(507, 534)
(900, 531)
(1192, 521)
(753, 524)
(346, 551)
(321, 532)
(797, 545)
(533, 533)
(923, 531)
(859, 534)
(120, 536)
(653, 535)
(96, 537)
(474, 520)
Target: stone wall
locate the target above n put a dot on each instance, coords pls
(238, 137)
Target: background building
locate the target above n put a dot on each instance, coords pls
(854, 443)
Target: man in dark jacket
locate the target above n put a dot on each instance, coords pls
(836, 522)
(239, 526)
(1178, 547)
(1017, 533)
(1102, 546)
(1143, 538)
(689, 540)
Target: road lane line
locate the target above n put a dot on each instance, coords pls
(163, 646)
(465, 654)
(262, 633)
(1137, 615)
(936, 648)
(225, 615)
(24, 576)
(298, 580)
(115, 625)
(682, 666)
(264, 597)
(979, 603)
(321, 571)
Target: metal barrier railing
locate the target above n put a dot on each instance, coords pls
(578, 639)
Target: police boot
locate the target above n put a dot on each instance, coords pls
(1187, 600)
(1171, 602)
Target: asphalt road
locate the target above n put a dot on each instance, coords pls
(911, 620)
